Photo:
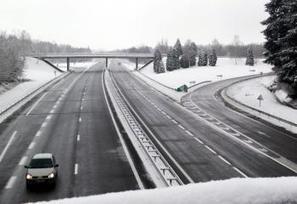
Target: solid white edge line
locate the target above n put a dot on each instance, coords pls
(7, 145)
(23, 160)
(76, 169)
(35, 104)
(132, 165)
(10, 182)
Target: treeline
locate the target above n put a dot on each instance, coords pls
(14, 48)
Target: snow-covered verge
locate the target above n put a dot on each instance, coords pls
(226, 68)
(247, 93)
(232, 191)
(35, 74)
(75, 65)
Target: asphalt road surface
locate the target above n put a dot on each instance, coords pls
(70, 120)
(204, 152)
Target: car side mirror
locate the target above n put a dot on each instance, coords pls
(26, 167)
(56, 165)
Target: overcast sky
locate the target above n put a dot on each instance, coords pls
(112, 24)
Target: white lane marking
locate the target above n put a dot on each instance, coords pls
(31, 145)
(264, 134)
(35, 104)
(189, 133)
(49, 117)
(52, 111)
(23, 160)
(55, 106)
(224, 160)
(44, 124)
(240, 172)
(38, 133)
(181, 127)
(7, 145)
(78, 137)
(75, 169)
(199, 140)
(81, 108)
(174, 121)
(210, 149)
(10, 182)
(168, 117)
(80, 119)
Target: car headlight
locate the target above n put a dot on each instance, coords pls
(28, 176)
(51, 175)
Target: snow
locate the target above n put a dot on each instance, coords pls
(74, 65)
(236, 190)
(225, 69)
(36, 73)
(247, 92)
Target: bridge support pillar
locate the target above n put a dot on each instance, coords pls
(136, 63)
(68, 63)
(106, 62)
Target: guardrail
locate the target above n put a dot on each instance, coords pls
(162, 173)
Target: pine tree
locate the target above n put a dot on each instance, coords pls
(202, 59)
(172, 62)
(193, 54)
(281, 36)
(184, 61)
(158, 63)
(250, 57)
(178, 48)
(212, 58)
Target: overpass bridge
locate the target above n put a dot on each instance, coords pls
(106, 56)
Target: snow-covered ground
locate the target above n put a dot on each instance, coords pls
(36, 73)
(225, 69)
(232, 191)
(247, 93)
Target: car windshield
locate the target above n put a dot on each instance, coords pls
(41, 163)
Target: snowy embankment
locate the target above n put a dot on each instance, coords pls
(35, 74)
(232, 191)
(226, 68)
(247, 93)
(76, 65)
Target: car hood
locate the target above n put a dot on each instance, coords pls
(40, 172)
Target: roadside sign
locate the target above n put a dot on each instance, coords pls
(260, 98)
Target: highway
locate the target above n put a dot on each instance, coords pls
(277, 139)
(202, 150)
(70, 120)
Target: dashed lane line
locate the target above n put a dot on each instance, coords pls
(181, 127)
(78, 138)
(10, 182)
(174, 121)
(76, 169)
(80, 119)
(224, 160)
(7, 145)
(38, 133)
(189, 133)
(240, 172)
(210, 149)
(199, 140)
(31, 146)
(23, 160)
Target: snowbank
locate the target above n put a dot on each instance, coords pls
(237, 190)
(36, 73)
(248, 91)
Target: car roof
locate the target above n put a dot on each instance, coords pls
(43, 156)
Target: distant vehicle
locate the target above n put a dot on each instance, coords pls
(42, 169)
